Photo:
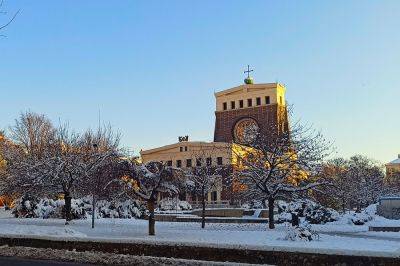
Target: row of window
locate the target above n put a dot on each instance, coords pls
(267, 100)
(183, 148)
(199, 162)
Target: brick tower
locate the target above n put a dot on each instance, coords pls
(248, 108)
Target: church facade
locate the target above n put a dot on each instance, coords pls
(239, 112)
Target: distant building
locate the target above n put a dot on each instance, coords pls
(240, 112)
(393, 168)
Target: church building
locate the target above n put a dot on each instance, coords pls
(239, 113)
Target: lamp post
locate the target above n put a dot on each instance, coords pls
(95, 147)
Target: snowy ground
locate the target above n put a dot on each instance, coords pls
(335, 238)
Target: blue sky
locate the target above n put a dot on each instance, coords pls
(151, 67)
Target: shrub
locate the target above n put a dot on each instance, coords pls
(169, 204)
(31, 207)
(300, 233)
(313, 212)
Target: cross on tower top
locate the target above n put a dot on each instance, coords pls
(248, 71)
(248, 80)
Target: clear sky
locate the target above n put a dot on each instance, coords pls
(151, 67)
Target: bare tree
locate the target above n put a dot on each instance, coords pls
(3, 163)
(3, 26)
(76, 160)
(338, 194)
(34, 133)
(31, 138)
(281, 164)
(367, 181)
(51, 161)
(147, 181)
(203, 177)
(355, 183)
(103, 154)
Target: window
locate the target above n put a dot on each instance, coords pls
(178, 163)
(232, 105)
(241, 104)
(169, 163)
(281, 100)
(225, 106)
(267, 100)
(180, 149)
(188, 162)
(208, 161)
(249, 102)
(258, 101)
(198, 161)
(214, 195)
(219, 160)
(186, 148)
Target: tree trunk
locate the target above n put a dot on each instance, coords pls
(343, 205)
(203, 213)
(67, 199)
(93, 209)
(152, 222)
(271, 222)
(295, 219)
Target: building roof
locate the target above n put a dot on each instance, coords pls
(395, 162)
(186, 143)
(248, 86)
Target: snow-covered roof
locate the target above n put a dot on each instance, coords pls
(389, 198)
(397, 161)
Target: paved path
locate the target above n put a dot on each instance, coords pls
(361, 235)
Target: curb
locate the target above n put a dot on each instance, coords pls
(252, 256)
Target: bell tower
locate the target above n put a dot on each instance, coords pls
(245, 109)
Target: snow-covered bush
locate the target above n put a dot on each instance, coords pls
(371, 209)
(283, 217)
(126, 209)
(175, 204)
(364, 216)
(313, 212)
(25, 206)
(48, 208)
(320, 215)
(254, 204)
(30, 207)
(300, 233)
(360, 218)
(295, 206)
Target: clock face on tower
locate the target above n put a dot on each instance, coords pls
(245, 130)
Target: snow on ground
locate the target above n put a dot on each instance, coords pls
(335, 238)
(4, 213)
(233, 235)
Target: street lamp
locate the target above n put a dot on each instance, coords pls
(95, 147)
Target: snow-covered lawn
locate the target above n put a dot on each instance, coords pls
(333, 238)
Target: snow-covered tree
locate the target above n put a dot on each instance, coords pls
(367, 181)
(203, 177)
(355, 183)
(75, 160)
(103, 155)
(147, 181)
(52, 161)
(339, 193)
(30, 140)
(281, 164)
